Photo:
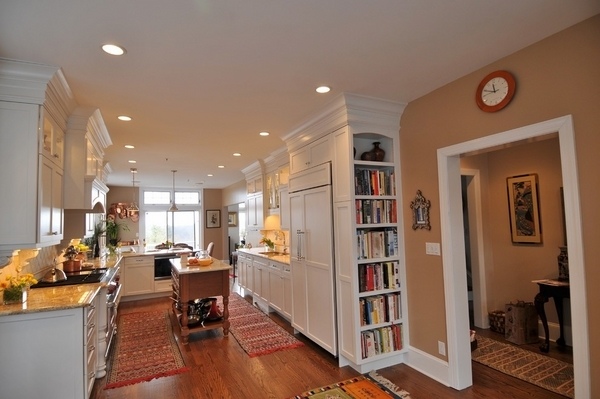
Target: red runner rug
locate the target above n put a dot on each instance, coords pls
(145, 349)
(256, 333)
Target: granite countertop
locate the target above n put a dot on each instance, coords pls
(216, 265)
(64, 296)
(275, 256)
(135, 251)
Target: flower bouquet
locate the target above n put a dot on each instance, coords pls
(267, 243)
(14, 288)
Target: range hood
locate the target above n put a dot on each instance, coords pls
(85, 170)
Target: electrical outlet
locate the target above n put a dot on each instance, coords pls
(442, 348)
(432, 248)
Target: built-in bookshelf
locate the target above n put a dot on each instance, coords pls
(378, 267)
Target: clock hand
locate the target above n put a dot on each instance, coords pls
(494, 87)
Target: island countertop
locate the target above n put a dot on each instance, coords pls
(216, 265)
(63, 296)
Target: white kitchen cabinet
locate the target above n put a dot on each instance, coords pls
(91, 320)
(48, 354)
(286, 277)
(312, 154)
(260, 279)
(276, 287)
(255, 211)
(246, 272)
(137, 277)
(34, 105)
(284, 208)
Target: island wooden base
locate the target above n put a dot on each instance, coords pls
(201, 282)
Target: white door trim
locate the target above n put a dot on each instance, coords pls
(453, 257)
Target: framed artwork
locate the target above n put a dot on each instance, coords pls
(420, 210)
(523, 207)
(213, 219)
(232, 219)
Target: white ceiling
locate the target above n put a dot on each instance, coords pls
(201, 78)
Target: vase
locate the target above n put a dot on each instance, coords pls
(377, 153)
(14, 295)
(563, 264)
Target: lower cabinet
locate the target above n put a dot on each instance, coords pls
(137, 277)
(50, 355)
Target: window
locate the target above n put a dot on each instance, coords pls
(176, 227)
(164, 197)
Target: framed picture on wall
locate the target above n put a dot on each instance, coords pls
(213, 219)
(523, 206)
(232, 219)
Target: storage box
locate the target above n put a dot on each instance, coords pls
(521, 323)
(497, 321)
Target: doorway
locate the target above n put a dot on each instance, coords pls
(453, 259)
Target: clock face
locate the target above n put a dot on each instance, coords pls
(495, 91)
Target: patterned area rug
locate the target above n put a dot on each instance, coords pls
(367, 386)
(145, 349)
(256, 333)
(543, 371)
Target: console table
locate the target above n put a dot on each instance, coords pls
(194, 282)
(556, 290)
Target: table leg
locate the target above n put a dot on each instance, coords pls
(539, 302)
(226, 315)
(559, 311)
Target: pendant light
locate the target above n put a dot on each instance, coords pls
(173, 207)
(133, 208)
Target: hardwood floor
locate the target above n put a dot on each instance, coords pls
(221, 369)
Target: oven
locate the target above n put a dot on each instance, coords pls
(162, 266)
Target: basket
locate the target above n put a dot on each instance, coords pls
(497, 318)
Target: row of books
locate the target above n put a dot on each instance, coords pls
(380, 309)
(378, 276)
(376, 211)
(381, 340)
(374, 182)
(372, 244)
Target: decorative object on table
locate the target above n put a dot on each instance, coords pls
(232, 219)
(420, 210)
(14, 288)
(543, 371)
(495, 91)
(145, 349)
(523, 208)
(371, 385)
(256, 333)
(563, 264)
(269, 245)
(213, 219)
(521, 325)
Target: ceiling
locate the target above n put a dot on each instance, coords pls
(201, 79)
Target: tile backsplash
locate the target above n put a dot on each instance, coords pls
(35, 261)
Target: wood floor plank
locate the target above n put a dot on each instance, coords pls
(221, 369)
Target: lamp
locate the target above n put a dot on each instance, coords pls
(173, 207)
(133, 208)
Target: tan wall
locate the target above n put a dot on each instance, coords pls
(556, 77)
(212, 200)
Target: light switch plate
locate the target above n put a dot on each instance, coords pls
(432, 248)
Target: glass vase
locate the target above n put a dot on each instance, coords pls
(14, 295)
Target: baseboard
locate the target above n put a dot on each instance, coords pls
(428, 365)
(554, 330)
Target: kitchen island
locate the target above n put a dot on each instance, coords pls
(192, 282)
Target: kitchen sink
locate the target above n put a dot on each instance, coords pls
(272, 253)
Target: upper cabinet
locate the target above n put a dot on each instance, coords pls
(86, 140)
(311, 155)
(35, 102)
(255, 209)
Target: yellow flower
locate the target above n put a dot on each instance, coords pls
(24, 281)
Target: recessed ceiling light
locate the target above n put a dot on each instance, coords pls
(129, 146)
(221, 167)
(132, 161)
(210, 175)
(113, 49)
(264, 134)
(124, 118)
(323, 89)
(237, 154)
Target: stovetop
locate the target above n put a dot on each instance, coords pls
(73, 278)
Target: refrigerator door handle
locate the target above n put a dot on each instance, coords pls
(299, 234)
